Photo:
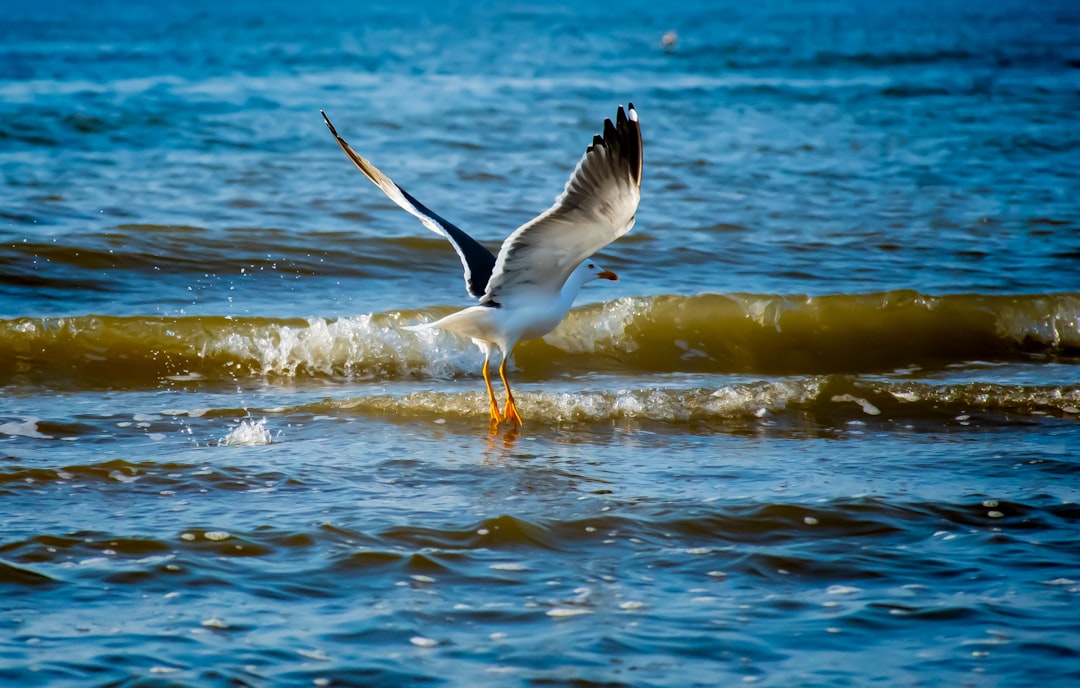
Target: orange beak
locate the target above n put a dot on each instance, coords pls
(608, 275)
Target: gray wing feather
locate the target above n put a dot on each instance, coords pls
(596, 207)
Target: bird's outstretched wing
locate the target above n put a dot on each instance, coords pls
(477, 260)
(596, 207)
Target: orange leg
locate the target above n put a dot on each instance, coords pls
(493, 404)
(511, 412)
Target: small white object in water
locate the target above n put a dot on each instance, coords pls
(314, 654)
(163, 670)
(561, 612)
(28, 428)
(250, 433)
(868, 408)
(841, 590)
(421, 641)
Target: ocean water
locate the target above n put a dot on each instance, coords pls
(824, 431)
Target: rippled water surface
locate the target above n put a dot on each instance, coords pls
(822, 432)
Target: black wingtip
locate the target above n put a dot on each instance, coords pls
(326, 120)
(610, 132)
(623, 138)
(629, 138)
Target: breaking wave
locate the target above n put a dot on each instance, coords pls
(706, 333)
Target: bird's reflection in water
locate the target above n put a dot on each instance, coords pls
(500, 447)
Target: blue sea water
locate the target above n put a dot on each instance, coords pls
(822, 431)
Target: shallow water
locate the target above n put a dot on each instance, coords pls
(823, 431)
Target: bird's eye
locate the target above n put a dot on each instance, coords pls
(592, 266)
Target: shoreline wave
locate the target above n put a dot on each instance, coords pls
(835, 399)
(828, 404)
(759, 334)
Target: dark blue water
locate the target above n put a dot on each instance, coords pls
(823, 431)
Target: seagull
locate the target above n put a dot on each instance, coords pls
(526, 289)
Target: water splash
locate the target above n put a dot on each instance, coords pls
(250, 433)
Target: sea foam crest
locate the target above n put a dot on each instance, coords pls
(733, 401)
(366, 345)
(1052, 320)
(601, 327)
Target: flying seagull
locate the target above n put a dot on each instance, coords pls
(527, 288)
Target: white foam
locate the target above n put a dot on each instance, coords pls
(756, 398)
(27, 428)
(665, 405)
(121, 477)
(842, 590)
(192, 413)
(1050, 320)
(250, 433)
(565, 612)
(584, 331)
(421, 641)
(867, 407)
(318, 655)
(365, 345)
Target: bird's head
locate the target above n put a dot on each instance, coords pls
(593, 271)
